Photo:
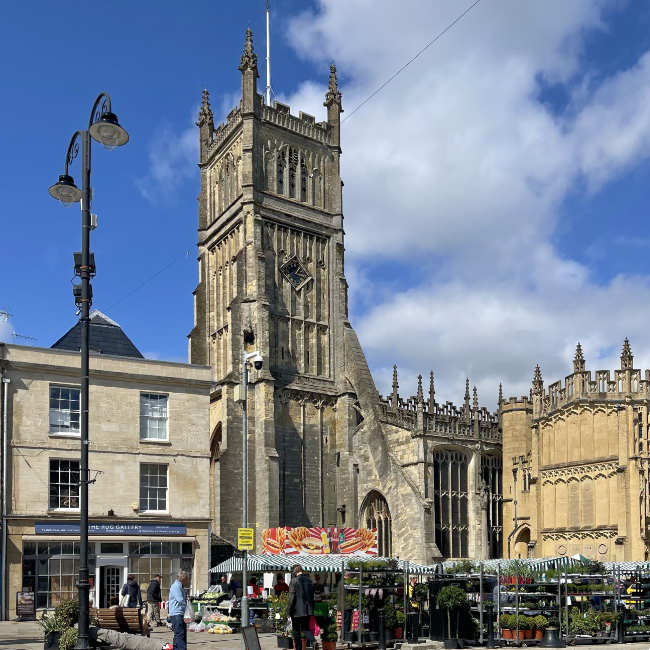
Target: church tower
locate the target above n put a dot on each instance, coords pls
(271, 278)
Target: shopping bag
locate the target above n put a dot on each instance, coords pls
(189, 613)
(314, 628)
(124, 600)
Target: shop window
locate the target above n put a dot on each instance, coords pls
(64, 484)
(153, 487)
(153, 416)
(64, 410)
(163, 558)
(51, 572)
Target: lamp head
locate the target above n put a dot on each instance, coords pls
(65, 190)
(107, 131)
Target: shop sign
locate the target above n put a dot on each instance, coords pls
(64, 528)
(319, 541)
(245, 539)
(25, 604)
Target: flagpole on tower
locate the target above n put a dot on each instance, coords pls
(268, 53)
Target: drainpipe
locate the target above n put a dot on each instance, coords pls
(5, 393)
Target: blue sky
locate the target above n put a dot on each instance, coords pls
(495, 192)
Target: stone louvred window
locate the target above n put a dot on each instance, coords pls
(376, 514)
(450, 496)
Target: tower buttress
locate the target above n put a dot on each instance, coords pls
(627, 359)
(578, 360)
(395, 394)
(249, 75)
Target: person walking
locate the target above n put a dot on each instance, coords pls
(154, 598)
(301, 604)
(131, 589)
(177, 605)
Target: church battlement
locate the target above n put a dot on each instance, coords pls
(428, 416)
(586, 385)
(304, 125)
(516, 403)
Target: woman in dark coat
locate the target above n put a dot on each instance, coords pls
(301, 604)
(132, 588)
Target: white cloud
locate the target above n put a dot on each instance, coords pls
(6, 329)
(457, 170)
(172, 160)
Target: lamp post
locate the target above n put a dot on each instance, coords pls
(257, 361)
(104, 128)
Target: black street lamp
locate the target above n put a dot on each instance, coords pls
(104, 128)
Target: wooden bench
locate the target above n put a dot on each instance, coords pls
(121, 619)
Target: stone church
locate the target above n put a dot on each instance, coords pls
(576, 463)
(324, 448)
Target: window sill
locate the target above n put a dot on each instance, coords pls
(154, 441)
(62, 510)
(59, 434)
(153, 513)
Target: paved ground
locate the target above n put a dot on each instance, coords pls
(29, 636)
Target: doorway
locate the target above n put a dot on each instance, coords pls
(110, 583)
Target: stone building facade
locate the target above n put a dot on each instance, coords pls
(324, 447)
(149, 458)
(576, 464)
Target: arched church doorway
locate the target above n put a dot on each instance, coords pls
(521, 543)
(376, 514)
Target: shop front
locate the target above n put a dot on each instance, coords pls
(46, 558)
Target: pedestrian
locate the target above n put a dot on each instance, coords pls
(131, 589)
(319, 588)
(154, 599)
(223, 587)
(177, 605)
(301, 604)
(281, 586)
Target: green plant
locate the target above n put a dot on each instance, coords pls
(68, 639)
(463, 566)
(421, 592)
(390, 615)
(49, 624)
(525, 623)
(540, 622)
(452, 598)
(506, 621)
(279, 613)
(330, 632)
(67, 613)
(400, 617)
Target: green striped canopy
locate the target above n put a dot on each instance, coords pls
(314, 563)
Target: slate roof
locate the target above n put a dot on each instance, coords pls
(105, 337)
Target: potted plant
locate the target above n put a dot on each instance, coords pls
(329, 636)
(59, 629)
(279, 615)
(506, 623)
(541, 623)
(400, 620)
(452, 599)
(390, 620)
(525, 631)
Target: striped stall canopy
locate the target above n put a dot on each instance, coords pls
(314, 563)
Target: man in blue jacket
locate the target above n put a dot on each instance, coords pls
(177, 605)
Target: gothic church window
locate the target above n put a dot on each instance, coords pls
(281, 163)
(450, 496)
(376, 514)
(491, 477)
(293, 167)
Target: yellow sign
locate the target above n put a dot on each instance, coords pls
(245, 539)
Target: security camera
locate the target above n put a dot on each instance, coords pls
(258, 361)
